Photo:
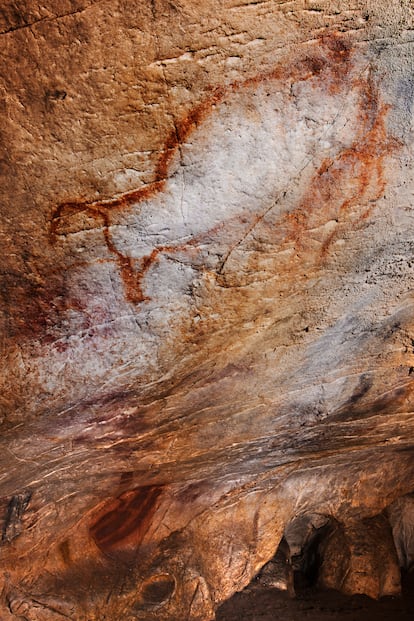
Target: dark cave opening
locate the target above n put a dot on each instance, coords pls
(295, 584)
(307, 565)
(260, 603)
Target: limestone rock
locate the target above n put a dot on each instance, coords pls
(401, 516)
(278, 573)
(361, 558)
(206, 303)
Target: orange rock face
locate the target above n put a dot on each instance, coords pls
(206, 296)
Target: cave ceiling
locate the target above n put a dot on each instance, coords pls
(206, 298)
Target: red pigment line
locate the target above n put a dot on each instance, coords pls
(133, 277)
(334, 56)
(363, 162)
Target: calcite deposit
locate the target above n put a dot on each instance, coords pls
(207, 321)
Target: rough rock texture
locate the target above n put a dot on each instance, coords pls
(401, 517)
(206, 291)
(361, 558)
(257, 602)
(298, 559)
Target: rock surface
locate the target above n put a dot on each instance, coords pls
(401, 518)
(206, 292)
(361, 558)
(255, 603)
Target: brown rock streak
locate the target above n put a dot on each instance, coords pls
(123, 521)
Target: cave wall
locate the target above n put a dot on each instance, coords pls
(206, 292)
